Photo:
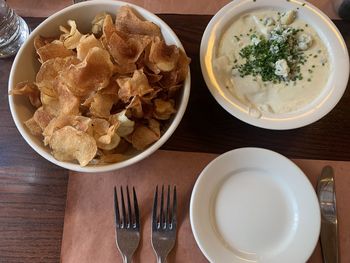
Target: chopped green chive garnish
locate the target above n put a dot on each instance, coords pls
(262, 56)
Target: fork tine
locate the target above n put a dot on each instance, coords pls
(136, 208)
(129, 207)
(123, 208)
(127, 234)
(161, 216)
(173, 219)
(116, 208)
(167, 216)
(155, 204)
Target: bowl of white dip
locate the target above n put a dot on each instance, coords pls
(274, 64)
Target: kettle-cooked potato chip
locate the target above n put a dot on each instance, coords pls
(69, 144)
(163, 109)
(113, 158)
(80, 123)
(70, 38)
(111, 89)
(90, 75)
(178, 74)
(50, 70)
(28, 89)
(163, 56)
(125, 68)
(110, 140)
(108, 28)
(55, 49)
(154, 125)
(33, 127)
(129, 22)
(126, 126)
(100, 127)
(130, 87)
(85, 44)
(68, 102)
(40, 41)
(97, 23)
(126, 49)
(102, 104)
(135, 106)
(50, 104)
(42, 118)
(143, 137)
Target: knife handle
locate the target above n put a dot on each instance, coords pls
(329, 242)
(329, 218)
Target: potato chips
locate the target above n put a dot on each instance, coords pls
(98, 95)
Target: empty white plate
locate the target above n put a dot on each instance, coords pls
(254, 205)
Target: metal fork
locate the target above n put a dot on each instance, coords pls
(127, 225)
(163, 225)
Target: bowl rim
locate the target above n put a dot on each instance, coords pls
(139, 156)
(292, 120)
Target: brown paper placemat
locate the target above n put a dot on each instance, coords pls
(88, 234)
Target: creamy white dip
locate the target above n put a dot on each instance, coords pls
(266, 96)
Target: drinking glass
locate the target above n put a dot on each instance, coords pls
(13, 31)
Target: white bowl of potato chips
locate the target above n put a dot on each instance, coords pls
(99, 86)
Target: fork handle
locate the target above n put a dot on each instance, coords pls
(161, 259)
(127, 259)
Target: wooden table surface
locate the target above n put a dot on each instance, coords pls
(33, 191)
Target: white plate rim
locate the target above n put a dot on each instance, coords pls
(320, 106)
(314, 230)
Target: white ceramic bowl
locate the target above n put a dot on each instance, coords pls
(316, 109)
(25, 67)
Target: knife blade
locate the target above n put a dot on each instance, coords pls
(329, 219)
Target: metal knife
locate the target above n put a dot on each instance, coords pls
(329, 219)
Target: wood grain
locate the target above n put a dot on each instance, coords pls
(33, 191)
(32, 208)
